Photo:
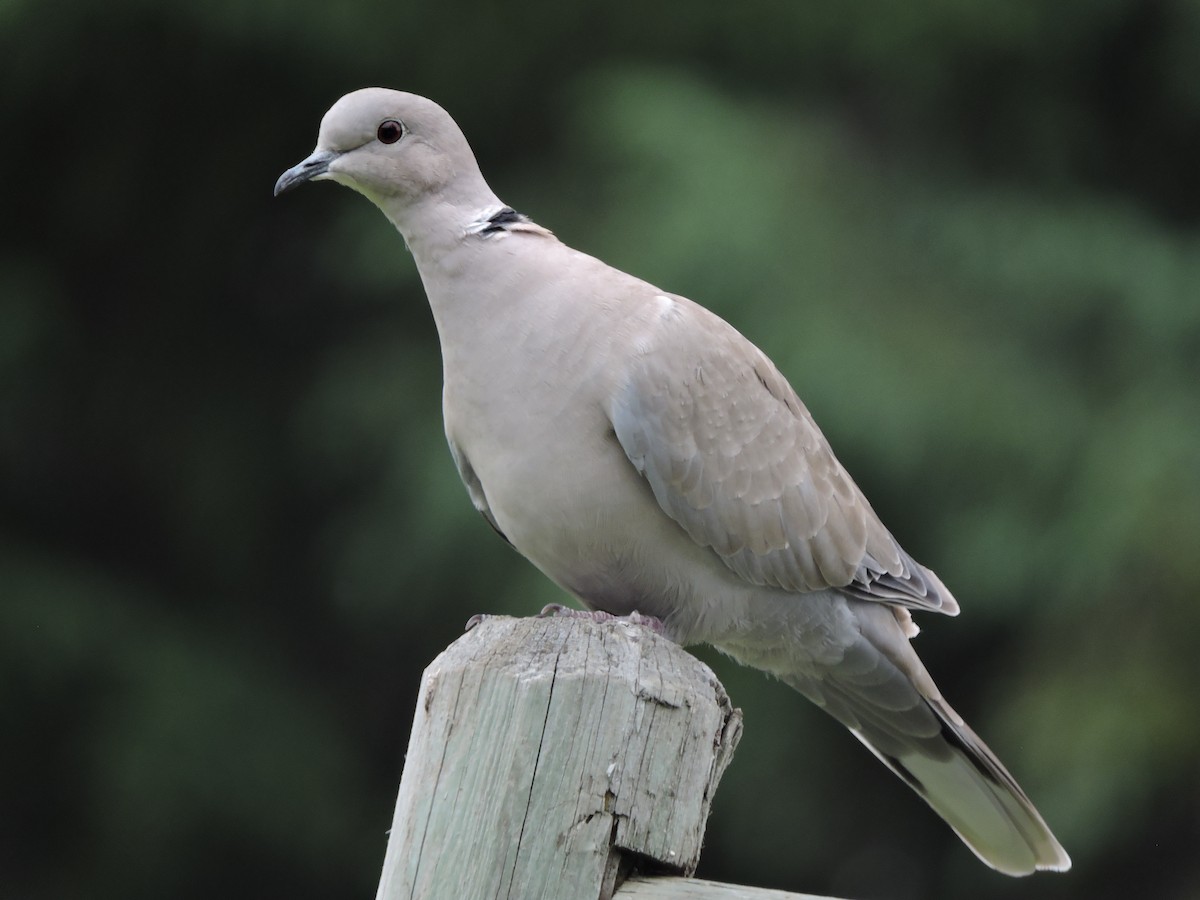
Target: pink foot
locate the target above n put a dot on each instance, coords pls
(596, 615)
(592, 615)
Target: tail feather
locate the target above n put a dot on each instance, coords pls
(977, 797)
(883, 694)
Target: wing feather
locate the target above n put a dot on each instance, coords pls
(735, 458)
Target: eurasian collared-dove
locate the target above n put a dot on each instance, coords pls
(647, 457)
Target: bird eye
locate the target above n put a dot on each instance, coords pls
(389, 131)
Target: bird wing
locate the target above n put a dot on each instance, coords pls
(734, 457)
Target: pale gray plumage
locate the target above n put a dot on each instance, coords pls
(646, 456)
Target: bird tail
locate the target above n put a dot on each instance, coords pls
(967, 785)
(883, 694)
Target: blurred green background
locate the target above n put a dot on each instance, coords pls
(231, 535)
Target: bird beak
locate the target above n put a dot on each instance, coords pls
(315, 166)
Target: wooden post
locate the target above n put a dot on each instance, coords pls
(551, 757)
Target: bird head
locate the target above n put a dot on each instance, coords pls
(394, 148)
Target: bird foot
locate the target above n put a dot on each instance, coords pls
(557, 610)
(595, 615)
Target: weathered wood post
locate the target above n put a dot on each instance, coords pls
(548, 756)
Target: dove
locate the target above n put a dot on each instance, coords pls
(650, 460)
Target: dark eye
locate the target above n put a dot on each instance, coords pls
(389, 131)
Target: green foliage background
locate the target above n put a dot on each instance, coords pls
(231, 535)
